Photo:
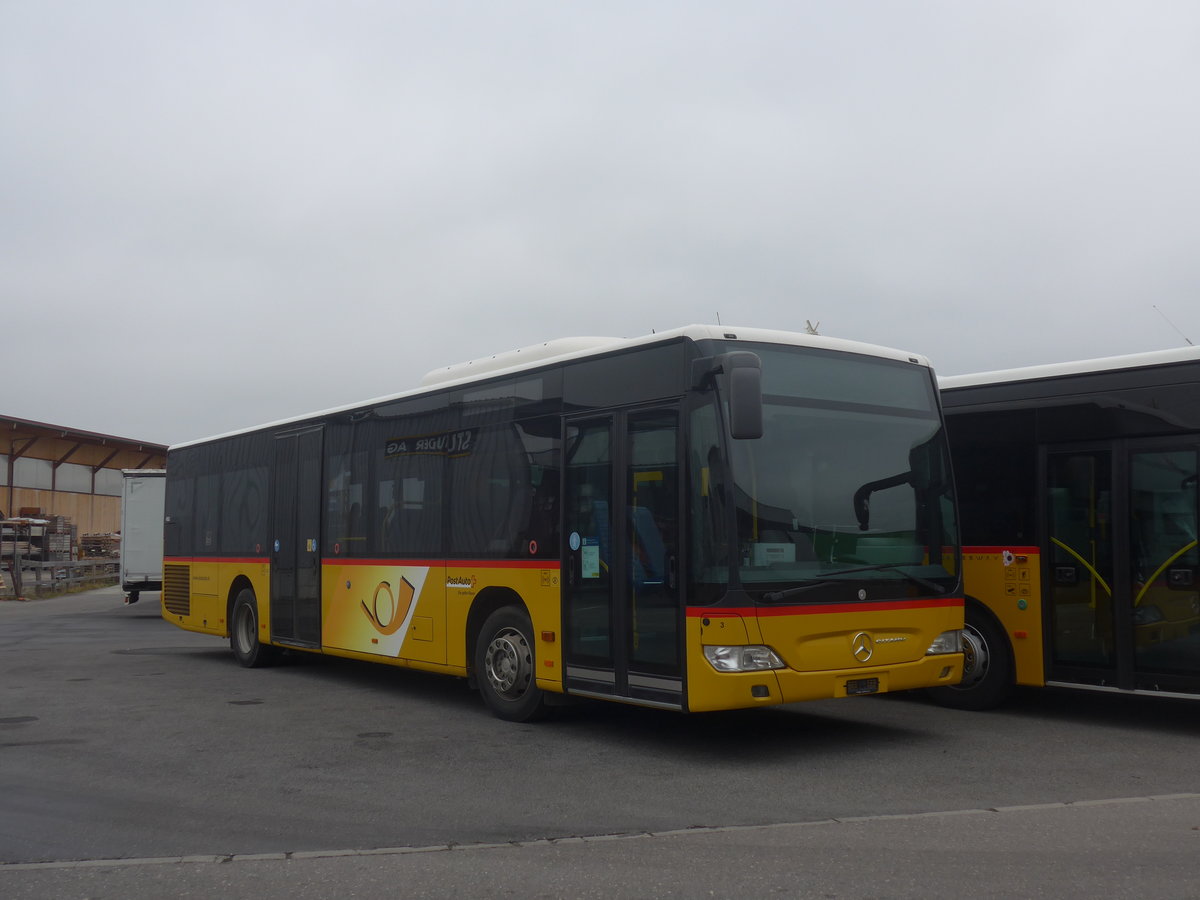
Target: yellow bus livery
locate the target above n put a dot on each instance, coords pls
(703, 519)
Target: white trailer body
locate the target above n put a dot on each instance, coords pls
(143, 501)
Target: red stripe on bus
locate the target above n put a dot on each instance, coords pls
(697, 612)
(337, 560)
(1023, 550)
(246, 560)
(447, 563)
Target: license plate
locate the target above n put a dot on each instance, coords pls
(862, 686)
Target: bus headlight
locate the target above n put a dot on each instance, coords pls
(946, 642)
(743, 658)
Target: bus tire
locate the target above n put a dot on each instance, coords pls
(243, 633)
(506, 666)
(987, 665)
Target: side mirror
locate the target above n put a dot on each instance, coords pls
(745, 389)
(927, 465)
(745, 399)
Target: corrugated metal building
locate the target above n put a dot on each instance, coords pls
(66, 472)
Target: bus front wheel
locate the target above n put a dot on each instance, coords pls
(243, 632)
(505, 666)
(987, 665)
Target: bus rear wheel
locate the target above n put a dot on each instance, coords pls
(243, 633)
(505, 666)
(987, 666)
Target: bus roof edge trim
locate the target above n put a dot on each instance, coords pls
(1078, 367)
(498, 362)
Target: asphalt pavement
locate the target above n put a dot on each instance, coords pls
(1138, 847)
(129, 750)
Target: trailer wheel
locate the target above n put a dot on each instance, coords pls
(505, 666)
(243, 633)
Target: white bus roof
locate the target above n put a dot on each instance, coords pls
(564, 349)
(1079, 367)
(571, 348)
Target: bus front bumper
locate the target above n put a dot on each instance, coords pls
(733, 690)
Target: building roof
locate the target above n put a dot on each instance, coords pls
(23, 439)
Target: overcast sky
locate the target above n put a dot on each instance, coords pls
(217, 214)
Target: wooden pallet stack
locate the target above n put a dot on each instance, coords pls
(39, 538)
(92, 546)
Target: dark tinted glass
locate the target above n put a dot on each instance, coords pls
(995, 467)
(649, 374)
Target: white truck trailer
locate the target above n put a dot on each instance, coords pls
(143, 496)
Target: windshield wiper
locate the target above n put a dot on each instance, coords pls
(830, 578)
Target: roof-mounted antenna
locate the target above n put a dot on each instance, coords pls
(810, 328)
(1173, 325)
(718, 318)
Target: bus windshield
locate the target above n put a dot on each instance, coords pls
(849, 485)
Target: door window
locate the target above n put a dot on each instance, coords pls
(589, 530)
(1164, 560)
(1081, 558)
(653, 503)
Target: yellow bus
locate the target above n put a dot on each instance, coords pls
(1077, 492)
(703, 519)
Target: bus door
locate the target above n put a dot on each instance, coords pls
(296, 539)
(1123, 571)
(622, 600)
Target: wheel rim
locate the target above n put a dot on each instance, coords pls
(508, 663)
(243, 629)
(975, 658)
